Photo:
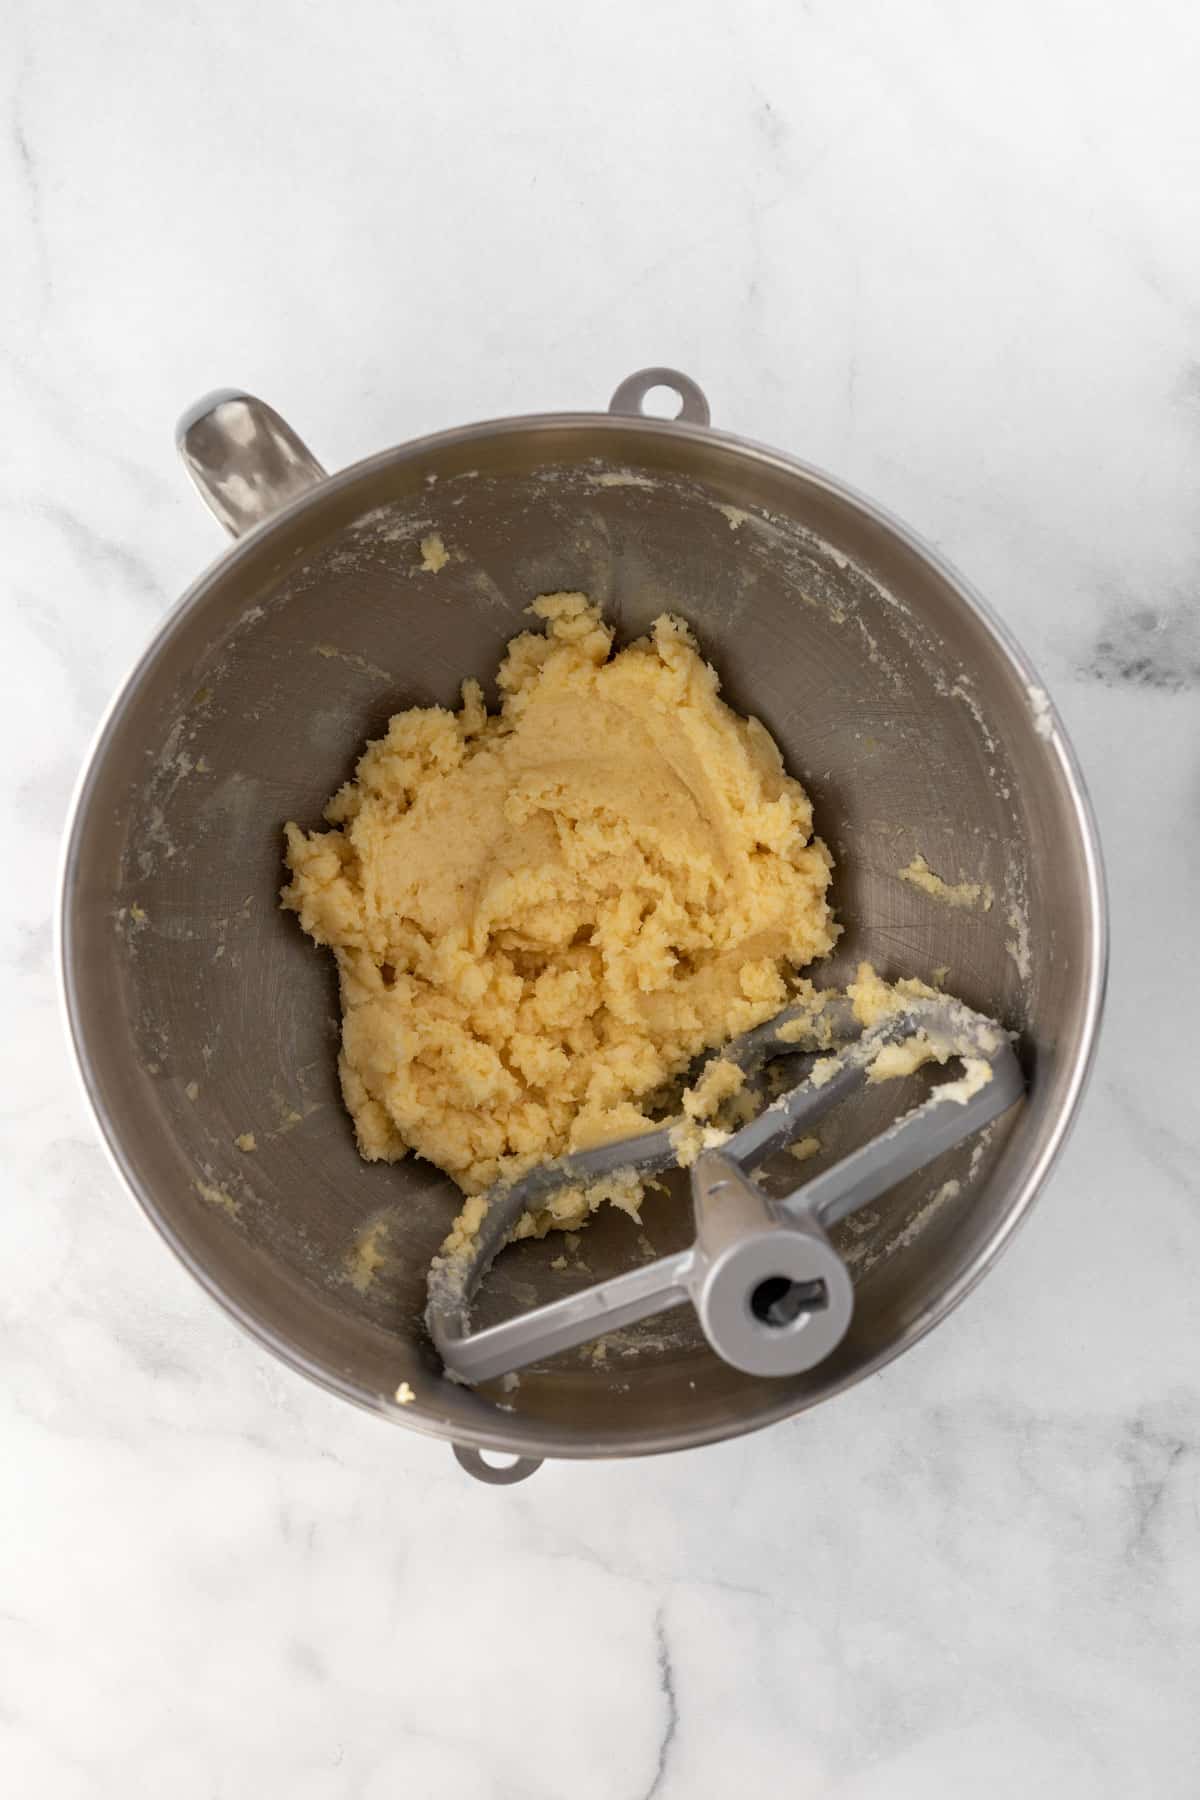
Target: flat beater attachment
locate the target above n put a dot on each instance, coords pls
(771, 1293)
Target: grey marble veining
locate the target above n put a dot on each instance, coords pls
(1145, 647)
(947, 253)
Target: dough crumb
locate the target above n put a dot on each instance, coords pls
(809, 1028)
(434, 555)
(689, 1139)
(977, 1072)
(192, 1090)
(246, 1141)
(875, 999)
(559, 1263)
(894, 1061)
(918, 874)
(575, 1205)
(218, 1196)
(1043, 719)
(804, 1147)
(735, 514)
(404, 1394)
(720, 1081)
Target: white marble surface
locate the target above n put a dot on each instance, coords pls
(950, 253)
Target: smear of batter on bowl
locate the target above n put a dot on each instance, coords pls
(367, 1254)
(918, 874)
(218, 1196)
(542, 916)
(804, 1148)
(622, 478)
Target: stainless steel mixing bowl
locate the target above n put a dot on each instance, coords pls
(199, 1012)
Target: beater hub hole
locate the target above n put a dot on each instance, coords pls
(778, 1300)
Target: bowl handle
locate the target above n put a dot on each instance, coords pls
(629, 397)
(495, 1474)
(246, 461)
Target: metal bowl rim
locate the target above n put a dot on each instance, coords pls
(515, 1438)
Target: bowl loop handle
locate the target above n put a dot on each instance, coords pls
(495, 1474)
(630, 396)
(246, 461)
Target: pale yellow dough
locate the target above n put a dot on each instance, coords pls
(541, 916)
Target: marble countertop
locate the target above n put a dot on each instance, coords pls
(949, 254)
